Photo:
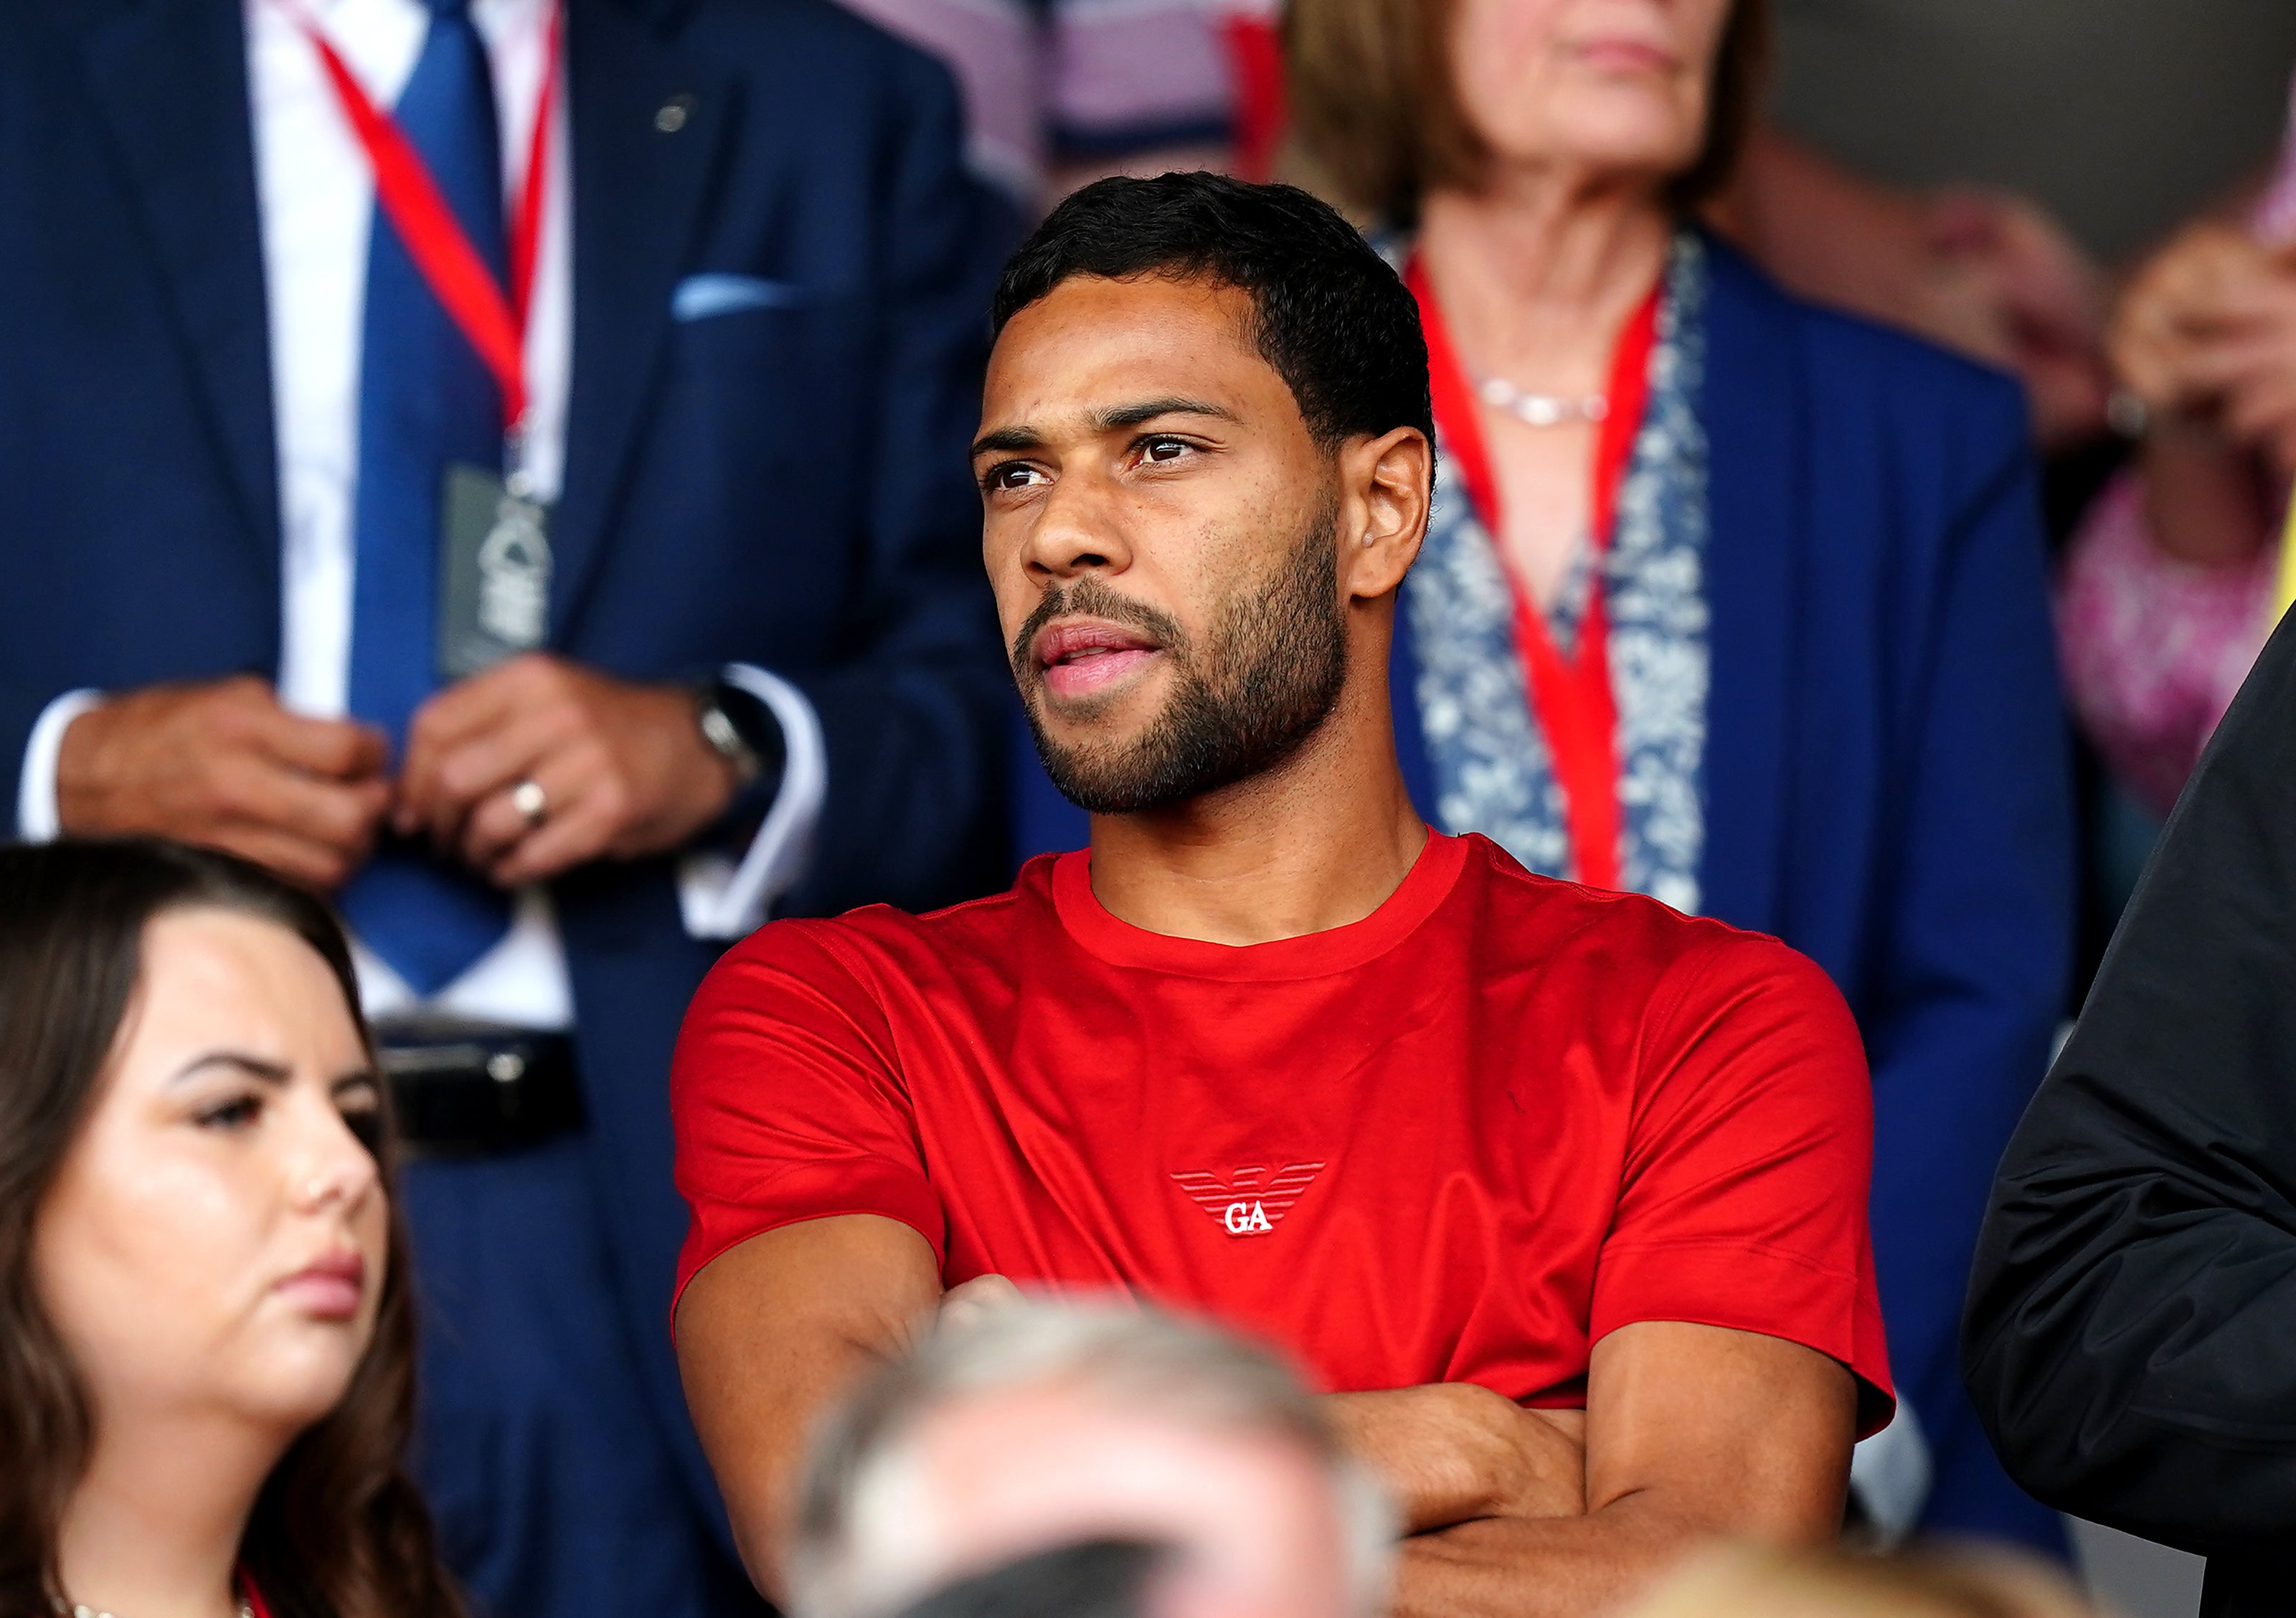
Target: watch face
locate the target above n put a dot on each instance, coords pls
(721, 735)
(744, 731)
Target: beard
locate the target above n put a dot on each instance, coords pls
(1268, 674)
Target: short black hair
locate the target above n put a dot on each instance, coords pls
(1331, 316)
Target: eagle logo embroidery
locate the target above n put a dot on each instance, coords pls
(1251, 1201)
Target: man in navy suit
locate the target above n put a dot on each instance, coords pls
(565, 619)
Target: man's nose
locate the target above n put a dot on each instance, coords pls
(1079, 529)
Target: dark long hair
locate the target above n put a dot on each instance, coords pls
(338, 1532)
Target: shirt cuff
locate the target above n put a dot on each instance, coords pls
(720, 898)
(37, 818)
(1889, 1474)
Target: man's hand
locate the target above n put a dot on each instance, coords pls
(225, 766)
(623, 769)
(1453, 1452)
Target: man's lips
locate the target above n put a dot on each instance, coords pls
(1083, 656)
(330, 1289)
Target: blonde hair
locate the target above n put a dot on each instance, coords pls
(1763, 1581)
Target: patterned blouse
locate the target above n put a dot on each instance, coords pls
(1493, 770)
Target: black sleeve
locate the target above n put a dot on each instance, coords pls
(2130, 1338)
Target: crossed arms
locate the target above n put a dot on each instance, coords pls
(1689, 1430)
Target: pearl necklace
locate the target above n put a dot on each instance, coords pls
(75, 1610)
(1541, 409)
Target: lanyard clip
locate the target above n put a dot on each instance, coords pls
(518, 469)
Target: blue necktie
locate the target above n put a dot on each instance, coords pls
(426, 401)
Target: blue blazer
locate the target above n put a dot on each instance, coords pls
(1886, 773)
(783, 482)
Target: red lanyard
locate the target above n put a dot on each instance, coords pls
(1572, 695)
(494, 321)
(248, 1592)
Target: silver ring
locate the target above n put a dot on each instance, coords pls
(529, 800)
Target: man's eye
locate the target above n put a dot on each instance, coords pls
(1163, 449)
(235, 1114)
(1016, 475)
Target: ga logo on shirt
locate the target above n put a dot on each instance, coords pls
(1248, 1201)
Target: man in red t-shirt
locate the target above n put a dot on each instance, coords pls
(1559, 1193)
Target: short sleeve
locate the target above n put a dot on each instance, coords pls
(787, 1102)
(1743, 1200)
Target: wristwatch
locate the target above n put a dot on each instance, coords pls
(741, 729)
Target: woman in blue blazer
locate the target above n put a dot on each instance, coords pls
(1783, 658)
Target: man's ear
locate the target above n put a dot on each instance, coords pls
(1383, 502)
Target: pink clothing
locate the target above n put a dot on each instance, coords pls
(2153, 647)
(1052, 80)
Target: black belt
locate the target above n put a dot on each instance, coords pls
(466, 1089)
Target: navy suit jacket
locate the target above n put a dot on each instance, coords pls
(782, 485)
(1887, 783)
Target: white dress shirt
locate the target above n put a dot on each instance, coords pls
(316, 195)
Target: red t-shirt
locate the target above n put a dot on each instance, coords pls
(1460, 1140)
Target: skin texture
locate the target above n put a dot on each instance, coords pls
(1586, 107)
(770, 1333)
(624, 768)
(2206, 336)
(225, 766)
(174, 1254)
(1688, 1429)
(1181, 511)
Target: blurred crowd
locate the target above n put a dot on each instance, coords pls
(492, 495)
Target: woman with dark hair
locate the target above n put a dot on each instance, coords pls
(206, 1331)
(1727, 597)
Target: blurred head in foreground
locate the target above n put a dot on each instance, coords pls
(1761, 1582)
(1041, 1426)
(206, 1338)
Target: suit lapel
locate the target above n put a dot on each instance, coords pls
(169, 82)
(647, 124)
(1753, 411)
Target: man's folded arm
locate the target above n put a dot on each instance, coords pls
(1691, 1432)
(1453, 1452)
(805, 1261)
(771, 1332)
(1733, 1297)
